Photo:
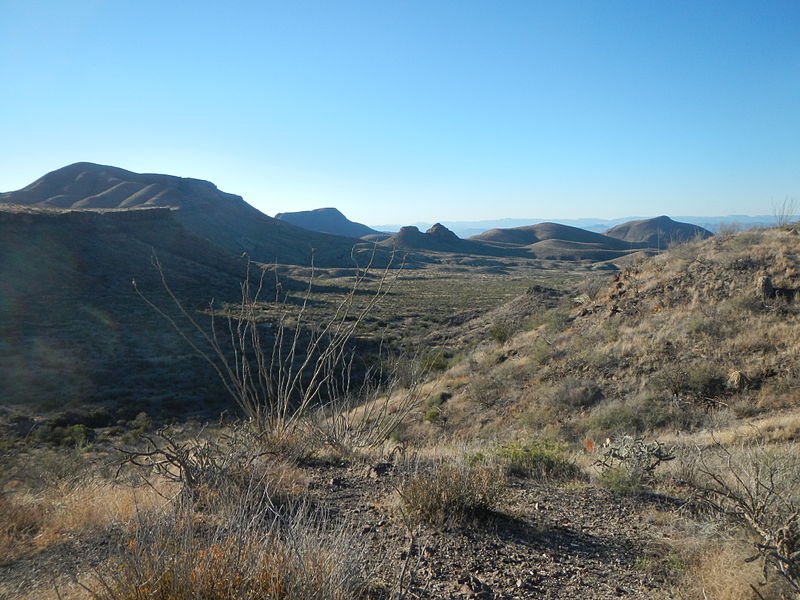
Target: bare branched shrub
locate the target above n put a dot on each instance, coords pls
(197, 462)
(365, 418)
(279, 368)
(450, 493)
(759, 488)
(784, 212)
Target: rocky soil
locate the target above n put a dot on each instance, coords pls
(547, 540)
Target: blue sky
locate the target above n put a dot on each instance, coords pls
(397, 112)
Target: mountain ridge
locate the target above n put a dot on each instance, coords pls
(224, 219)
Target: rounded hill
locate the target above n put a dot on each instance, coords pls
(658, 232)
(326, 220)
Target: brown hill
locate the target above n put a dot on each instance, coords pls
(658, 233)
(531, 234)
(557, 249)
(678, 341)
(224, 219)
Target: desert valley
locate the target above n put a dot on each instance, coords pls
(200, 401)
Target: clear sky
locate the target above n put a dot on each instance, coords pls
(401, 111)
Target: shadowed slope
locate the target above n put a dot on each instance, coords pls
(72, 328)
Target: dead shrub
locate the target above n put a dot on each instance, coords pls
(208, 463)
(758, 488)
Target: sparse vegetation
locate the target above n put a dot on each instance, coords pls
(679, 348)
(758, 488)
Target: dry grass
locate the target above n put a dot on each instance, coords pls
(659, 349)
(31, 523)
(20, 520)
(249, 551)
(720, 570)
(781, 427)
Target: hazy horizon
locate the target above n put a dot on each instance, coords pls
(401, 113)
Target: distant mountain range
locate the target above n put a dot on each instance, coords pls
(552, 241)
(466, 229)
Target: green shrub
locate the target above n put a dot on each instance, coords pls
(557, 319)
(632, 415)
(620, 480)
(700, 380)
(501, 332)
(72, 435)
(433, 406)
(450, 493)
(538, 459)
(705, 380)
(433, 361)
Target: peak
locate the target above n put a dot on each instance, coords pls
(409, 229)
(440, 231)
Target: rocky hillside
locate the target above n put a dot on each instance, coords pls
(437, 238)
(326, 220)
(663, 345)
(224, 219)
